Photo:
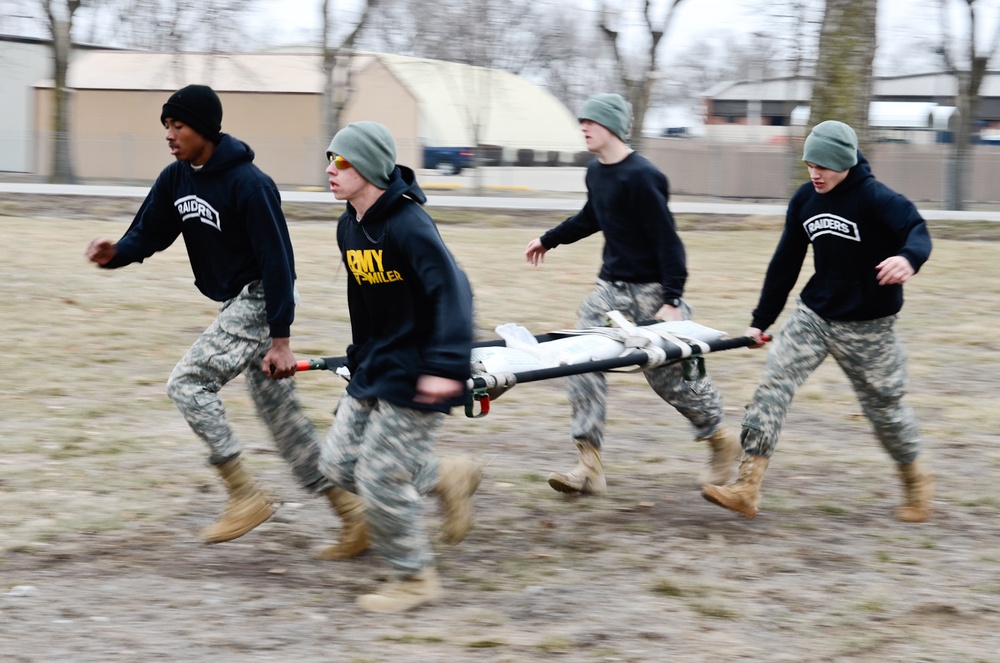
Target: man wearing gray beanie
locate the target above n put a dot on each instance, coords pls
(643, 275)
(867, 241)
(409, 363)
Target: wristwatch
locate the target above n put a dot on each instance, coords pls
(675, 302)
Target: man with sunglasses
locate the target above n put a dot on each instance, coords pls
(229, 213)
(411, 324)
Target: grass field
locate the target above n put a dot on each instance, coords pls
(91, 446)
(91, 349)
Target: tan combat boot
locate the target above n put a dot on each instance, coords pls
(353, 529)
(586, 478)
(726, 452)
(744, 495)
(400, 595)
(458, 479)
(918, 484)
(247, 507)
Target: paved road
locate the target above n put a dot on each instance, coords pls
(478, 202)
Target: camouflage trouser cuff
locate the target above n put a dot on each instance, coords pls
(753, 443)
(219, 460)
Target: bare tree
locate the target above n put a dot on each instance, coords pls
(575, 65)
(219, 26)
(805, 21)
(165, 24)
(706, 63)
(524, 37)
(969, 69)
(59, 17)
(337, 60)
(519, 36)
(843, 86)
(510, 36)
(638, 75)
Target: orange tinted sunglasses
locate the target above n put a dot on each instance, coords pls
(340, 162)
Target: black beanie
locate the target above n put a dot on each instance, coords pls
(198, 107)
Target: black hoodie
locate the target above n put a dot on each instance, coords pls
(852, 228)
(230, 214)
(410, 304)
(628, 202)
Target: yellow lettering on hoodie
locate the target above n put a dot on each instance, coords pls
(366, 265)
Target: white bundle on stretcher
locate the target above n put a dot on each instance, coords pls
(523, 352)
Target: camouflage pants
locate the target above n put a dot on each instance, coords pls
(868, 352)
(384, 453)
(235, 343)
(697, 400)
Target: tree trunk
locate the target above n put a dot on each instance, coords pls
(958, 155)
(62, 155)
(337, 68)
(969, 80)
(843, 86)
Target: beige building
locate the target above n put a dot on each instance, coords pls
(273, 101)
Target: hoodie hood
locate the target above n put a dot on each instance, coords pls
(402, 184)
(228, 153)
(858, 174)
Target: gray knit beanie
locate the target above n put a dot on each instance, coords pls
(368, 147)
(832, 145)
(611, 111)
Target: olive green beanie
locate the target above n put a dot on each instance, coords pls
(832, 145)
(611, 111)
(369, 148)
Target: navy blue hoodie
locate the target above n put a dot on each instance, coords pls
(230, 214)
(410, 304)
(852, 228)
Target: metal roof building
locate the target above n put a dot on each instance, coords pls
(729, 102)
(273, 101)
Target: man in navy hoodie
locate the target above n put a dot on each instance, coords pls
(867, 242)
(409, 363)
(229, 213)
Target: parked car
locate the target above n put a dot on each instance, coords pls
(675, 132)
(449, 160)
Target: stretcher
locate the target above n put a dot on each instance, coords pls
(518, 357)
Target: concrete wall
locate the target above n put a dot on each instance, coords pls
(117, 135)
(731, 170)
(22, 64)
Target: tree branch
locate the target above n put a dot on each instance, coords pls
(949, 62)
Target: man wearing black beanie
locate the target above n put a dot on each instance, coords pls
(198, 107)
(229, 213)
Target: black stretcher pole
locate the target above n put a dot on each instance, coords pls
(487, 386)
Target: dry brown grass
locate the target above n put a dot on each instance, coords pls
(93, 453)
(91, 348)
